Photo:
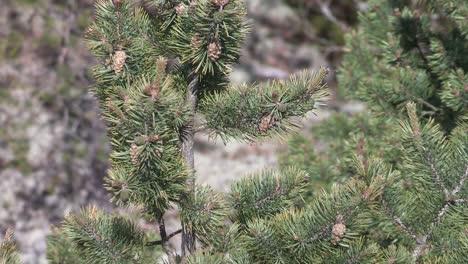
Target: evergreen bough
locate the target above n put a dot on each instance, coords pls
(403, 51)
(162, 78)
(150, 88)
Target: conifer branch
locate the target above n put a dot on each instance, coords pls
(163, 234)
(397, 220)
(161, 242)
(327, 13)
(422, 241)
(435, 174)
(461, 183)
(188, 141)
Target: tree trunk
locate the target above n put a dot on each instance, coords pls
(188, 135)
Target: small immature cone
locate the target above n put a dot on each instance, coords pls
(221, 3)
(134, 153)
(117, 2)
(181, 9)
(338, 230)
(214, 51)
(266, 123)
(161, 64)
(153, 91)
(195, 42)
(118, 61)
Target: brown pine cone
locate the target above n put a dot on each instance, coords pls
(118, 61)
(266, 123)
(221, 3)
(214, 51)
(195, 42)
(134, 153)
(181, 9)
(338, 230)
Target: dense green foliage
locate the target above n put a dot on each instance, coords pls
(156, 73)
(410, 51)
(327, 154)
(403, 51)
(393, 203)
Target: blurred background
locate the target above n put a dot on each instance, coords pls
(53, 145)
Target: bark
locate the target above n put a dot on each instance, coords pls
(189, 131)
(188, 239)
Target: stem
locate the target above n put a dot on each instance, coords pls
(397, 220)
(188, 239)
(163, 234)
(161, 242)
(189, 132)
(422, 243)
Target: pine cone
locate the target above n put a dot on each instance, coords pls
(266, 123)
(154, 138)
(118, 61)
(134, 153)
(153, 91)
(181, 9)
(195, 42)
(221, 3)
(117, 2)
(214, 51)
(338, 230)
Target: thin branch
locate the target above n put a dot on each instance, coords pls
(422, 241)
(160, 242)
(189, 132)
(397, 220)
(462, 181)
(163, 234)
(422, 101)
(328, 14)
(435, 174)
(188, 141)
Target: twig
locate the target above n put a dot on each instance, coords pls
(327, 13)
(160, 242)
(436, 175)
(188, 140)
(422, 241)
(397, 220)
(422, 101)
(462, 181)
(163, 233)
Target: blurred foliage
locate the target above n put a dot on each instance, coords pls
(327, 153)
(402, 51)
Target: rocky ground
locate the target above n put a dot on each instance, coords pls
(53, 148)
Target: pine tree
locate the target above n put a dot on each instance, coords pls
(410, 51)
(403, 51)
(150, 87)
(414, 214)
(163, 78)
(416, 173)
